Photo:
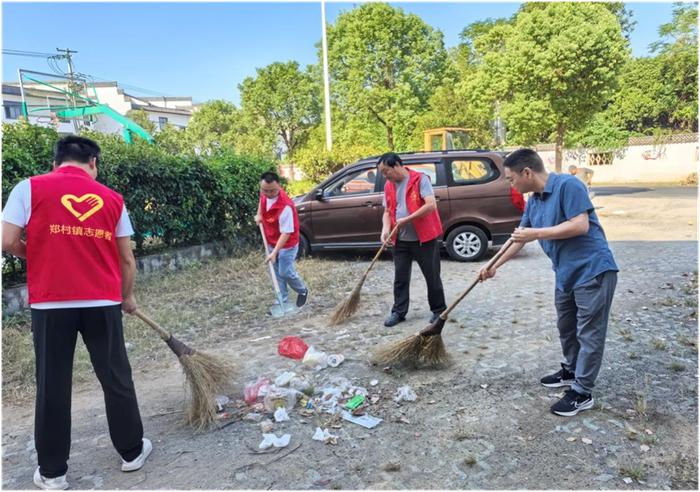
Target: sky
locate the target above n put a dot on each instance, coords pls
(205, 50)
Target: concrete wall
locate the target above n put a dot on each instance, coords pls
(645, 163)
(15, 299)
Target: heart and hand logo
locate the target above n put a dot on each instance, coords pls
(94, 201)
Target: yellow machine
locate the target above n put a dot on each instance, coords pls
(447, 138)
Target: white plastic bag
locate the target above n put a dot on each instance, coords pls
(405, 393)
(270, 440)
(315, 359)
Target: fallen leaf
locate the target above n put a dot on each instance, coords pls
(484, 386)
(585, 440)
(644, 448)
(571, 439)
(627, 480)
(648, 431)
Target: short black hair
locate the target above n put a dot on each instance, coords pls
(390, 159)
(74, 148)
(522, 158)
(270, 177)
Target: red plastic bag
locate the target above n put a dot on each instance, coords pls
(251, 392)
(292, 347)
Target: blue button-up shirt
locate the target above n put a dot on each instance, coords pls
(579, 259)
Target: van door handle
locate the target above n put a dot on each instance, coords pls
(369, 204)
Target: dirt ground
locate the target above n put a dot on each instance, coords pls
(481, 423)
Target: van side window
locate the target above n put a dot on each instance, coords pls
(469, 171)
(356, 183)
(429, 169)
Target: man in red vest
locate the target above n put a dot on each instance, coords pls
(280, 222)
(80, 276)
(409, 202)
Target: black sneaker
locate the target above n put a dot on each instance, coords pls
(561, 378)
(572, 403)
(394, 319)
(301, 298)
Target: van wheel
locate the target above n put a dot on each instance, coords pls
(467, 243)
(304, 248)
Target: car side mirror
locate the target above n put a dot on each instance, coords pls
(319, 195)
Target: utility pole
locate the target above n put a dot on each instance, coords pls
(71, 87)
(326, 83)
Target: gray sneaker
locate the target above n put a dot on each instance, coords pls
(137, 463)
(58, 483)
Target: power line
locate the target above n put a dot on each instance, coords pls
(35, 54)
(128, 86)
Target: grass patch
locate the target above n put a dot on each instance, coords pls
(640, 405)
(659, 344)
(626, 334)
(677, 366)
(634, 471)
(470, 460)
(203, 304)
(648, 439)
(18, 359)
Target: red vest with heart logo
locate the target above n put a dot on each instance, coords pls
(271, 220)
(72, 252)
(427, 227)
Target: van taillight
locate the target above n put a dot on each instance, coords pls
(518, 199)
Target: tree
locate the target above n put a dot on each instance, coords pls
(212, 125)
(678, 51)
(219, 124)
(559, 65)
(173, 139)
(140, 117)
(285, 100)
(643, 98)
(384, 66)
(661, 91)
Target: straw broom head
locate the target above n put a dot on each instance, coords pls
(205, 376)
(347, 308)
(405, 350)
(434, 353)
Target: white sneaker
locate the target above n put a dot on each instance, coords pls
(138, 462)
(58, 483)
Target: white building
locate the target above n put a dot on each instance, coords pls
(176, 111)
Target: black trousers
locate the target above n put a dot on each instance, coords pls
(427, 255)
(55, 333)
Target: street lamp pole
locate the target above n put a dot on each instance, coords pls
(326, 83)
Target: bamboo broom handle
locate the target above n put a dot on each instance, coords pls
(164, 334)
(269, 263)
(381, 250)
(491, 262)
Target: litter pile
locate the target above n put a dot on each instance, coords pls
(307, 394)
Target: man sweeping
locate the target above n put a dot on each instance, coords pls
(409, 202)
(80, 276)
(278, 215)
(561, 217)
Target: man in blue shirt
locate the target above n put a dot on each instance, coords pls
(561, 217)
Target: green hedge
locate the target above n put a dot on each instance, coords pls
(173, 200)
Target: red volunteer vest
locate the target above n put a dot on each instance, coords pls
(428, 227)
(72, 250)
(271, 220)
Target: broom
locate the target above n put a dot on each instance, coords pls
(205, 375)
(345, 309)
(427, 347)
